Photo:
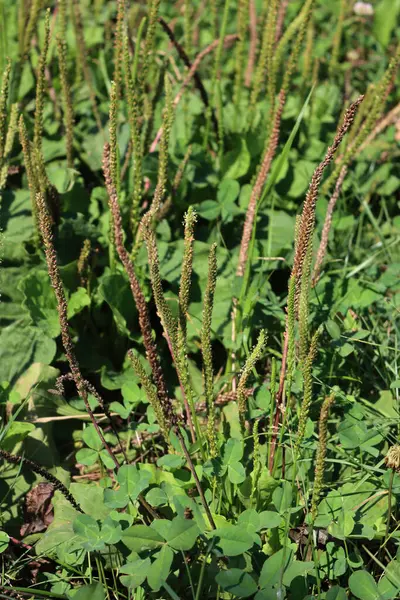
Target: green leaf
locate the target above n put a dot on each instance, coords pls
(142, 537)
(132, 393)
(233, 452)
(303, 171)
(333, 329)
(40, 301)
(93, 591)
(171, 461)
(389, 584)
(77, 302)
(336, 593)
(116, 498)
(20, 346)
(157, 497)
(250, 520)
(91, 438)
(233, 540)
(363, 586)
(133, 481)
(297, 568)
(15, 433)
(106, 459)
(282, 497)
(273, 568)
(90, 498)
(182, 533)
(111, 531)
(4, 541)
(209, 209)
(115, 291)
(236, 473)
(228, 191)
(385, 19)
(88, 530)
(87, 457)
(269, 519)
(135, 572)
(160, 568)
(236, 163)
(237, 582)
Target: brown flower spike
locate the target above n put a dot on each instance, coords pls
(140, 301)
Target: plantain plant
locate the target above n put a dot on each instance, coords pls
(198, 376)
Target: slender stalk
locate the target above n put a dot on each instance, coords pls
(62, 308)
(67, 99)
(58, 485)
(195, 477)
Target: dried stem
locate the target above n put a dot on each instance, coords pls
(62, 307)
(327, 227)
(308, 214)
(253, 43)
(144, 318)
(302, 249)
(258, 187)
(195, 477)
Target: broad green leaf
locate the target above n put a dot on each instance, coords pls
(88, 530)
(87, 456)
(59, 540)
(116, 498)
(93, 591)
(91, 438)
(4, 541)
(236, 163)
(90, 498)
(77, 302)
(133, 481)
(106, 459)
(336, 593)
(182, 533)
(233, 451)
(111, 531)
(236, 582)
(282, 497)
(269, 519)
(297, 568)
(115, 291)
(389, 584)
(363, 586)
(41, 302)
(250, 520)
(16, 432)
(333, 329)
(274, 567)
(135, 573)
(233, 540)
(228, 191)
(156, 497)
(132, 393)
(160, 568)
(236, 473)
(209, 209)
(171, 461)
(385, 19)
(142, 537)
(20, 346)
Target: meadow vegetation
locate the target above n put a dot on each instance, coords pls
(200, 290)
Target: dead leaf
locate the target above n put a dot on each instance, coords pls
(38, 509)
